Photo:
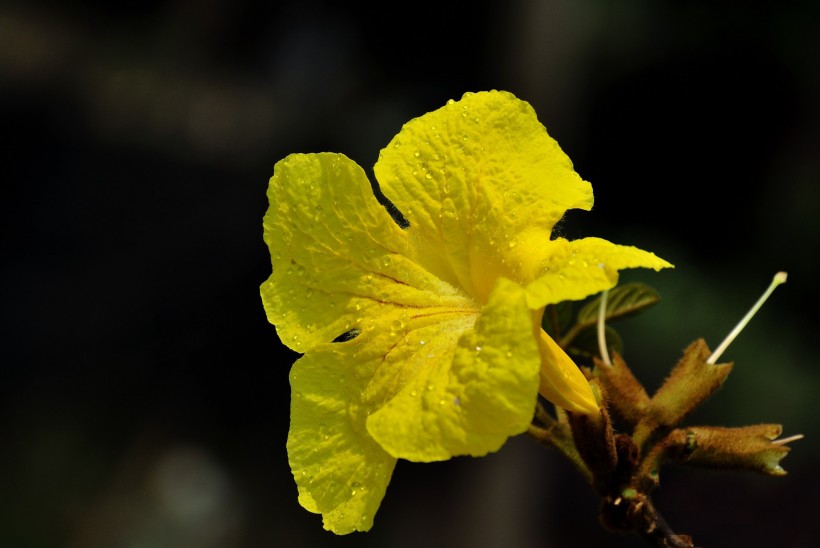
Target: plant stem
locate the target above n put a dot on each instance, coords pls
(640, 515)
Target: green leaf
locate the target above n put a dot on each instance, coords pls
(585, 344)
(622, 301)
(557, 318)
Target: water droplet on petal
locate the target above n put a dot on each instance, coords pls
(512, 243)
(308, 292)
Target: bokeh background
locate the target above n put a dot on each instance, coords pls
(144, 397)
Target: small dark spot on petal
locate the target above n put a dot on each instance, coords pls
(347, 335)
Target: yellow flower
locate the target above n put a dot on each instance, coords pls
(422, 340)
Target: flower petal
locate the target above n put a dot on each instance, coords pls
(339, 470)
(338, 257)
(562, 382)
(469, 398)
(472, 175)
(571, 270)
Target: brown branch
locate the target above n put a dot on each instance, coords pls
(638, 514)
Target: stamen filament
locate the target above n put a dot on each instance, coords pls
(601, 329)
(790, 439)
(778, 279)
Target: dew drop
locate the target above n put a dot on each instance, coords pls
(447, 212)
(414, 393)
(478, 349)
(512, 243)
(431, 387)
(386, 260)
(428, 175)
(450, 101)
(417, 154)
(308, 292)
(397, 325)
(422, 342)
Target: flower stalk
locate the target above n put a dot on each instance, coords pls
(623, 448)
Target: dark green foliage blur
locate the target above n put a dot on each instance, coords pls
(143, 395)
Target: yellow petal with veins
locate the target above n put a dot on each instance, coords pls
(468, 396)
(469, 178)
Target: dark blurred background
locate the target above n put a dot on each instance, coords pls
(144, 396)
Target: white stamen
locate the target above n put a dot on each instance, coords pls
(601, 331)
(778, 279)
(790, 439)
